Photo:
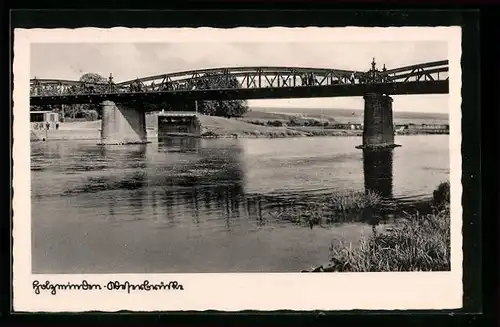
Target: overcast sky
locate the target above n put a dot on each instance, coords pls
(130, 60)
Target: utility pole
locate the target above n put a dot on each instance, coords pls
(62, 105)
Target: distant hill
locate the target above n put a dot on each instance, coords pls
(344, 115)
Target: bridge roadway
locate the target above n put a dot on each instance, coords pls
(339, 90)
(124, 103)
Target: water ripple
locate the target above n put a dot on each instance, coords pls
(208, 199)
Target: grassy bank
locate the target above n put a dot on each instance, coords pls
(311, 123)
(416, 242)
(219, 127)
(344, 115)
(212, 127)
(318, 131)
(413, 236)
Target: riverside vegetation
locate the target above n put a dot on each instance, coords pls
(416, 241)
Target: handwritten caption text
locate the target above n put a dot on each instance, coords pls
(146, 285)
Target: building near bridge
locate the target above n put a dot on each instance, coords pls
(422, 128)
(351, 126)
(44, 119)
(178, 124)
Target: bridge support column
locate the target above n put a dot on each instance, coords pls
(122, 124)
(378, 127)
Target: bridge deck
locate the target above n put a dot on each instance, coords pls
(248, 83)
(341, 90)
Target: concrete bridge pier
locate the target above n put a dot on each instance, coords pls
(378, 127)
(122, 124)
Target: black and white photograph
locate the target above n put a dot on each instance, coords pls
(319, 157)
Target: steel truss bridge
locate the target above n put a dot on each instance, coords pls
(248, 83)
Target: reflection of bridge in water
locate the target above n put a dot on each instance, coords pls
(124, 104)
(212, 183)
(377, 167)
(180, 144)
(215, 183)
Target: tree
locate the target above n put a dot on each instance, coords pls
(90, 83)
(224, 108)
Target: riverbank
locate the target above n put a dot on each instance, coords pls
(417, 241)
(219, 127)
(341, 122)
(405, 237)
(212, 127)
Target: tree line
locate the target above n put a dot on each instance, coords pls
(92, 83)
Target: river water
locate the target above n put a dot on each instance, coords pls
(195, 205)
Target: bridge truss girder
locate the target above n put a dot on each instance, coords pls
(244, 78)
(341, 90)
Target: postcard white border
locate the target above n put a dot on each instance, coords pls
(234, 292)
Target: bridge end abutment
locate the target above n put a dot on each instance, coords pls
(122, 124)
(378, 127)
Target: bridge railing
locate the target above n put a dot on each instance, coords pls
(246, 78)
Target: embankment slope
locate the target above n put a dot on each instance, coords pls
(211, 126)
(219, 126)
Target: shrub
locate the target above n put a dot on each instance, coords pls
(210, 134)
(275, 123)
(441, 195)
(90, 115)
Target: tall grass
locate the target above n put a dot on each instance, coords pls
(335, 207)
(416, 243)
(349, 200)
